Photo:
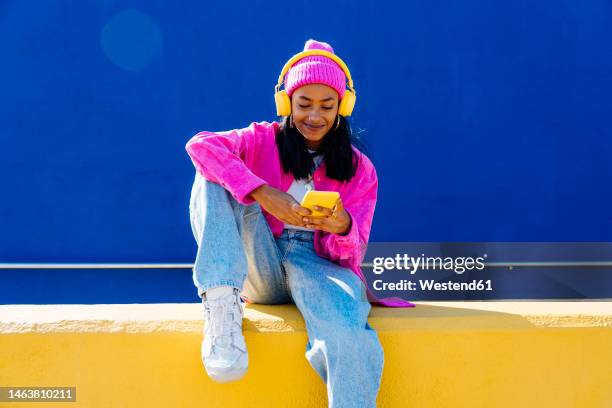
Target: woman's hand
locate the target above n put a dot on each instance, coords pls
(281, 205)
(336, 220)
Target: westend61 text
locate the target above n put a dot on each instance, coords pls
(430, 284)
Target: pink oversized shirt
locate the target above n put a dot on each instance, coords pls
(243, 159)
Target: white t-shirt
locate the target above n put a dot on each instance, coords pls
(298, 189)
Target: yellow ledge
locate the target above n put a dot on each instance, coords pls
(439, 354)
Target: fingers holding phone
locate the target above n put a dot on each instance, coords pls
(328, 212)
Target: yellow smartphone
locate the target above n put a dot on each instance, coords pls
(326, 199)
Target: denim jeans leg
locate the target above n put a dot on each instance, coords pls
(235, 245)
(342, 347)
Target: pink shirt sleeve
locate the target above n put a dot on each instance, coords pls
(220, 158)
(359, 200)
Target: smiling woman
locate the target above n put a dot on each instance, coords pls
(314, 124)
(315, 111)
(258, 244)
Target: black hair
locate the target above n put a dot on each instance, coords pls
(340, 160)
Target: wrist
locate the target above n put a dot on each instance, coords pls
(348, 227)
(259, 192)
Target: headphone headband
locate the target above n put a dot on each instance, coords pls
(323, 53)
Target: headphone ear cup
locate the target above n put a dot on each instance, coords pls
(347, 104)
(283, 103)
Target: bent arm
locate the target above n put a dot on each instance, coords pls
(219, 157)
(359, 202)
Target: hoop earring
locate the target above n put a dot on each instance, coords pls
(291, 120)
(337, 123)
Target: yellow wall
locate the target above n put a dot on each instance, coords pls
(440, 354)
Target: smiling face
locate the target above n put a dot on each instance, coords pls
(314, 109)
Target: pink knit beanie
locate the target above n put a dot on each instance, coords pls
(316, 69)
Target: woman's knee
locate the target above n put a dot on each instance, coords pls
(205, 192)
(352, 340)
(344, 305)
(345, 313)
(205, 189)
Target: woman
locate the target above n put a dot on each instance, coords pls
(257, 243)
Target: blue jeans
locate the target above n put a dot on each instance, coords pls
(236, 248)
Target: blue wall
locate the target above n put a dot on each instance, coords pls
(487, 121)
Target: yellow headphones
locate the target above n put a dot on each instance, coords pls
(283, 103)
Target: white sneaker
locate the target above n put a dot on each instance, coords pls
(224, 351)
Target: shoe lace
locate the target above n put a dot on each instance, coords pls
(222, 315)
